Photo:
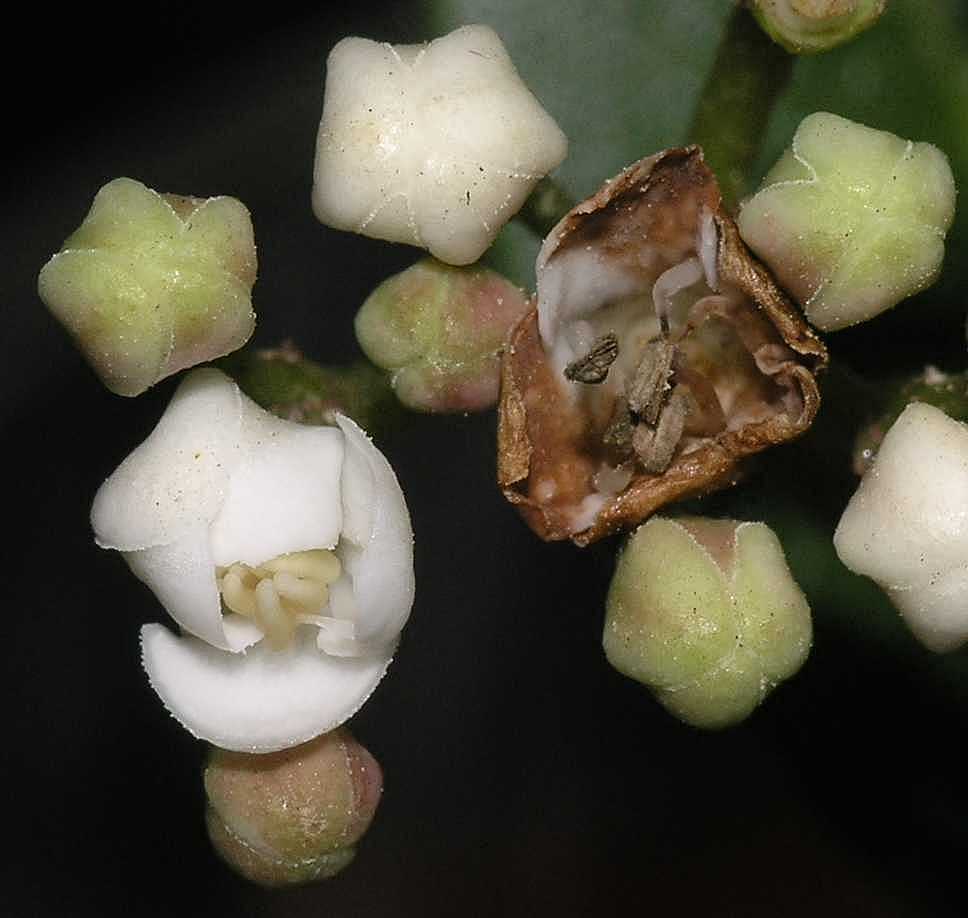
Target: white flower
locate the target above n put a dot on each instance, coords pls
(906, 527)
(304, 530)
(436, 145)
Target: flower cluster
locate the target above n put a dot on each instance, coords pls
(658, 355)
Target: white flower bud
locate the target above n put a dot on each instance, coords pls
(436, 145)
(906, 527)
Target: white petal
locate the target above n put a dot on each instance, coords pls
(260, 700)
(177, 478)
(378, 556)
(182, 576)
(240, 632)
(285, 496)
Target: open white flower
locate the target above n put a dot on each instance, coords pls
(906, 527)
(305, 534)
(436, 145)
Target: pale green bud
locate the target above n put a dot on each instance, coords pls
(151, 284)
(440, 331)
(809, 26)
(294, 816)
(851, 220)
(707, 615)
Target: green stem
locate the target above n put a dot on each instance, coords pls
(548, 203)
(282, 380)
(748, 75)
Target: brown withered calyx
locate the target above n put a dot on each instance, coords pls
(659, 355)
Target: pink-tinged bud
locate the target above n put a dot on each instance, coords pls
(151, 284)
(440, 331)
(292, 817)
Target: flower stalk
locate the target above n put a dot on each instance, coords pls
(747, 77)
(286, 382)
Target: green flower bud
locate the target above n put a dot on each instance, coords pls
(809, 26)
(851, 220)
(150, 284)
(294, 816)
(707, 615)
(439, 330)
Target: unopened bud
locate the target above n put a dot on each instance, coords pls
(851, 220)
(707, 615)
(151, 284)
(291, 817)
(906, 527)
(437, 145)
(439, 330)
(809, 26)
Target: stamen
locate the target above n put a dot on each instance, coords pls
(271, 617)
(593, 367)
(670, 282)
(618, 433)
(655, 447)
(647, 389)
(282, 592)
(236, 596)
(310, 594)
(317, 564)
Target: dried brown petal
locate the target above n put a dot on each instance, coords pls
(651, 256)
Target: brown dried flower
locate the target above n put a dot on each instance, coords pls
(713, 362)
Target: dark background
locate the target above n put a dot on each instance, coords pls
(523, 775)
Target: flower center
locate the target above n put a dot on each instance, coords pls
(281, 593)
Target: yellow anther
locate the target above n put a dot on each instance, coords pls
(270, 616)
(237, 596)
(310, 595)
(281, 593)
(316, 564)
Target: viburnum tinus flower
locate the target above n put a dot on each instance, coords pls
(437, 144)
(284, 553)
(809, 26)
(707, 615)
(293, 816)
(906, 527)
(851, 219)
(150, 284)
(660, 354)
(439, 330)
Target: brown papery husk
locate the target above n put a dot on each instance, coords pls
(545, 437)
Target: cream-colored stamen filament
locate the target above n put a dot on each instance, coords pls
(280, 593)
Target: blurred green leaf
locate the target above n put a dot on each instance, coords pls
(623, 78)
